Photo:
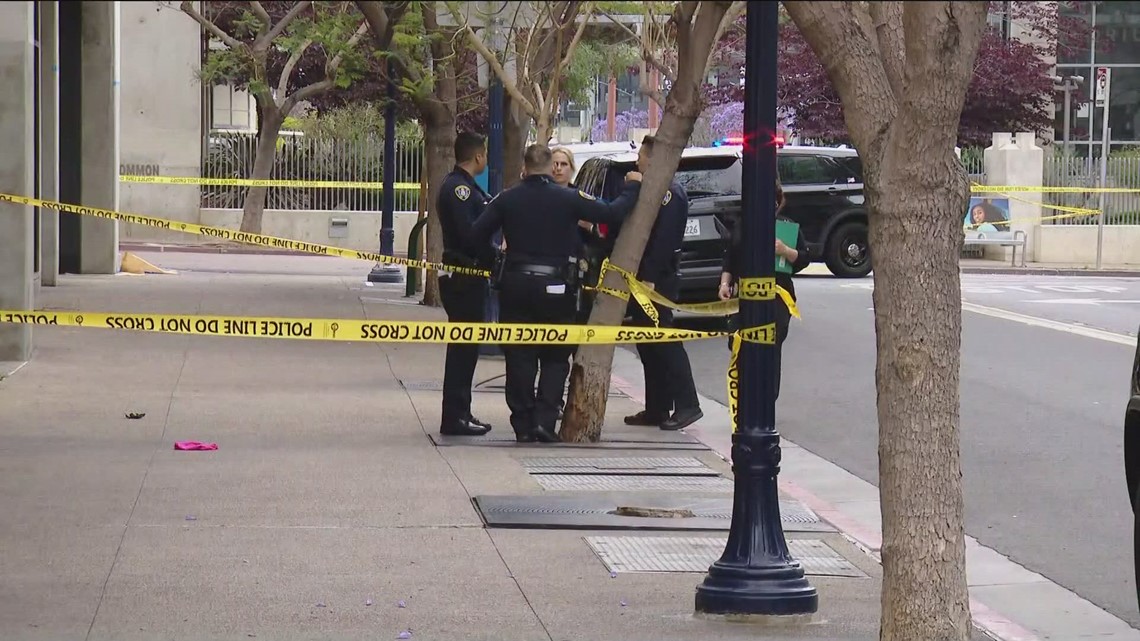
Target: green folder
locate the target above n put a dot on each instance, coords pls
(788, 232)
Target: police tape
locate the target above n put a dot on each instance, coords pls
(749, 289)
(993, 189)
(375, 331)
(249, 182)
(243, 237)
(643, 292)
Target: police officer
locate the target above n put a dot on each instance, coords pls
(459, 204)
(670, 393)
(539, 220)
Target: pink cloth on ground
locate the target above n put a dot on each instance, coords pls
(194, 445)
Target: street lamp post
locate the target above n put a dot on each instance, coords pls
(756, 575)
(384, 272)
(1068, 84)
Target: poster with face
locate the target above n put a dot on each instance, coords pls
(987, 215)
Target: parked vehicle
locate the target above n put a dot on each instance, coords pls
(1132, 461)
(823, 187)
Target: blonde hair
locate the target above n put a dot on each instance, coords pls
(569, 155)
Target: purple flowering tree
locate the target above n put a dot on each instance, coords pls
(623, 122)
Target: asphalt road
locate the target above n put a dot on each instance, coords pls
(1042, 415)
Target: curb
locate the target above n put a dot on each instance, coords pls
(217, 249)
(1049, 271)
(982, 619)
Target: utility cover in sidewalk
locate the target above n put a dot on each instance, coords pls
(630, 466)
(600, 512)
(498, 385)
(494, 385)
(696, 554)
(647, 439)
(616, 483)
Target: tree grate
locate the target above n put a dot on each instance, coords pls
(644, 554)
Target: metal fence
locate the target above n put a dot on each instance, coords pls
(1070, 171)
(231, 155)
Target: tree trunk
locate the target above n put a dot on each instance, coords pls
(902, 73)
(268, 127)
(439, 151)
(590, 374)
(515, 126)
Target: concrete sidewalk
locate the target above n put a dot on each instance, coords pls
(327, 512)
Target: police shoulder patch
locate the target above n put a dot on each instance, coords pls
(668, 197)
(462, 192)
(585, 195)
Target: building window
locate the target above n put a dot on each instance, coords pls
(1118, 26)
(231, 109)
(1075, 48)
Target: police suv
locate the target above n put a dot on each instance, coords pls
(823, 187)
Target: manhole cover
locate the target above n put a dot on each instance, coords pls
(696, 554)
(596, 512)
(661, 466)
(615, 483)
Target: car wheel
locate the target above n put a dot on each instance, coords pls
(848, 255)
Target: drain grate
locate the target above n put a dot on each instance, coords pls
(696, 554)
(595, 512)
(615, 483)
(661, 466)
(423, 386)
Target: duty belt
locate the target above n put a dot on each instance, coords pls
(536, 270)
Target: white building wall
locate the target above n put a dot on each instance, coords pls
(161, 117)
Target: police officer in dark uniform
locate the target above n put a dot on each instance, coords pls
(670, 393)
(537, 281)
(460, 203)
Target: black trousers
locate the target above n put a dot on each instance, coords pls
(525, 298)
(669, 382)
(464, 299)
(783, 323)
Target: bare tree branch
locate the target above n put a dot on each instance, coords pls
(509, 84)
(886, 17)
(565, 56)
(334, 63)
(286, 19)
(685, 12)
(734, 12)
(262, 16)
(287, 71)
(382, 25)
(231, 42)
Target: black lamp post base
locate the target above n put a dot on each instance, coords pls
(384, 273)
(737, 590)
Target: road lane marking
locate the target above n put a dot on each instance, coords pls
(1071, 328)
(1082, 301)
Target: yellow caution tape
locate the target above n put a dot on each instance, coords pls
(249, 182)
(990, 189)
(765, 335)
(1073, 212)
(247, 238)
(757, 289)
(355, 330)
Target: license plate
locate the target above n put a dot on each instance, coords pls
(692, 227)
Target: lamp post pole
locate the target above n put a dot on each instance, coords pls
(756, 575)
(384, 272)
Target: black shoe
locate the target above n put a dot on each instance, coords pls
(475, 421)
(524, 437)
(543, 435)
(463, 428)
(682, 419)
(645, 418)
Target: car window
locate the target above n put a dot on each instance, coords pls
(805, 170)
(854, 165)
(710, 176)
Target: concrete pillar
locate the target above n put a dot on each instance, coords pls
(17, 173)
(49, 141)
(100, 138)
(1017, 161)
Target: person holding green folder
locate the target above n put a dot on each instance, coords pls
(791, 257)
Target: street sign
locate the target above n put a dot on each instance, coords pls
(1103, 77)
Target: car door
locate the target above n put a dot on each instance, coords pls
(815, 187)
